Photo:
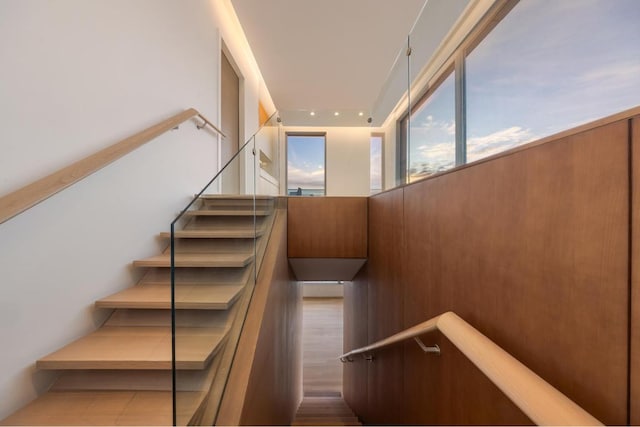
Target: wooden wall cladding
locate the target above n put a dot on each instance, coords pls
(532, 249)
(265, 384)
(327, 227)
(354, 375)
(386, 253)
(634, 397)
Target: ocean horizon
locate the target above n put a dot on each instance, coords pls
(306, 191)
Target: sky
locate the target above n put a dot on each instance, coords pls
(375, 172)
(548, 66)
(305, 162)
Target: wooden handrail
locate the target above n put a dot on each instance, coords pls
(539, 400)
(30, 195)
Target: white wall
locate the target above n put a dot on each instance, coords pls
(77, 76)
(347, 159)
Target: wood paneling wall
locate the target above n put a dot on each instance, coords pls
(532, 249)
(386, 254)
(634, 397)
(265, 383)
(327, 227)
(354, 375)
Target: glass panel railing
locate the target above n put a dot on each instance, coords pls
(217, 243)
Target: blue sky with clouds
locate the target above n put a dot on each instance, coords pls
(305, 162)
(549, 65)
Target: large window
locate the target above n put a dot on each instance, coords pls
(432, 141)
(545, 67)
(549, 66)
(305, 164)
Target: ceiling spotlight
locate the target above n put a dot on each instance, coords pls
(313, 113)
(361, 114)
(336, 113)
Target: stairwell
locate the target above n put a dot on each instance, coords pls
(322, 402)
(325, 411)
(121, 374)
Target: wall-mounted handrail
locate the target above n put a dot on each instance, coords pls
(30, 195)
(539, 400)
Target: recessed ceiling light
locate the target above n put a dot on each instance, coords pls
(361, 114)
(313, 113)
(336, 113)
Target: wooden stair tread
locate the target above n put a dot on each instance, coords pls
(211, 297)
(137, 347)
(106, 408)
(315, 411)
(196, 276)
(197, 260)
(324, 411)
(235, 197)
(222, 233)
(321, 421)
(228, 212)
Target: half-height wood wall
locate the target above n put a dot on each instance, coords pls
(265, 383)
(533, 248)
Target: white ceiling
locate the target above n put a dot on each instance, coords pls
(326, 55)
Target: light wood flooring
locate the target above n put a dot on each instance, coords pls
(321, 346)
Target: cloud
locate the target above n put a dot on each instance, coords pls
(305, 178)
(610, 77)
(483, 146)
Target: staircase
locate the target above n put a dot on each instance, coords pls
(325, 411)
(120, 374)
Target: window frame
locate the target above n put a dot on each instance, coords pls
(287, 134)
(403, 123)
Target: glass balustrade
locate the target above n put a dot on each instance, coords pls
(217, 243)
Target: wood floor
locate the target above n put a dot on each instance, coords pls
(322, 344)
(322, 404)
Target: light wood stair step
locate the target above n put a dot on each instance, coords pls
(223, 233)
(106, 408)
(228, 212)
(185, 318)
(196, 276)
(327, 421)
(137, 347)
(197, 260)
(109, 379)
(198, 297)
(236, 197)
(324, 411)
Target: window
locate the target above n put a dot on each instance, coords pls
(375, 169)
(544, 67)
(305, 164)
(432, 141)
(550, 66)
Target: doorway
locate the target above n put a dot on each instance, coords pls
(230, 121)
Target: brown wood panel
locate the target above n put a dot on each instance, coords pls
(265, 383)
(531, 249)
(327, 227)
(634, 397)
(354, 375)
(386, 286)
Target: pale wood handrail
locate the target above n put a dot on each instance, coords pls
(30, 195)
(539, 400)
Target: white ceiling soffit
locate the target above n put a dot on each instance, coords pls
(326, 55)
